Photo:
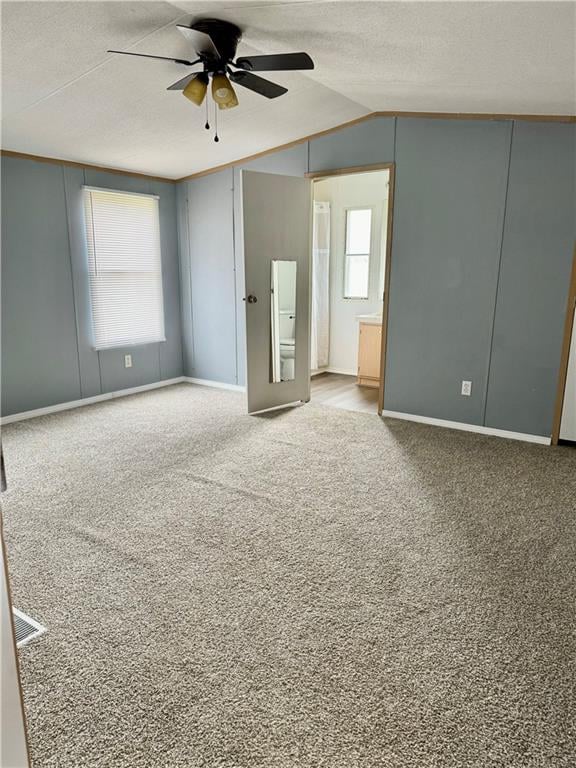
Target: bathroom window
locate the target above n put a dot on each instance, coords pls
(357, 253)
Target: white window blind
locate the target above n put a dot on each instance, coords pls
(125, 268)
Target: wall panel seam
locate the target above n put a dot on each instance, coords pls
(85, 181)
(496, 293)
(235, 264)
(74, 303)
(179, 275)
(189, 249)
(180, 278)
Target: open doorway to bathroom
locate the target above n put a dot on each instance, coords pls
(351, 232)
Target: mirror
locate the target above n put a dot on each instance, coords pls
(283, 320)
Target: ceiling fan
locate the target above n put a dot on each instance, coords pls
(215, 43)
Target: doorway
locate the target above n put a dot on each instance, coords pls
(350, 244)
(316, 305)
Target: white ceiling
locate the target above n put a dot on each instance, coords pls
(63, 96)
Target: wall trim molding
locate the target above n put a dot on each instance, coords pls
(90, 166)
(371, 116)
(295, 142)
(569, 330)
(348, 171)
(71, 404)
(480, 116)
(467, 427)
(214, 384)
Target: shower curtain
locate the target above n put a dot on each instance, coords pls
(320, 321)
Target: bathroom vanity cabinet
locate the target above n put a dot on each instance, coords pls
(369, 350)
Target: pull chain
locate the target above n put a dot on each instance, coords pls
(207, 126)
(216, 122)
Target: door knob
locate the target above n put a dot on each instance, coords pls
(251, 299)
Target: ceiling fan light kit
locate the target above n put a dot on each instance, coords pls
(196, 88)
(215, 42)
(222, 91)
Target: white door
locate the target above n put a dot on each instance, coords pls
(276, 215)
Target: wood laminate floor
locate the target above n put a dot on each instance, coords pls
(341, 391)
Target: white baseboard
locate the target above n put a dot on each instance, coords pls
(343, 371)
(320, 371)
(89, 400)
(468, 427)
(237, 388)
(215, 384)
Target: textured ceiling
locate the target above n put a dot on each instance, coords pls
(64, 96)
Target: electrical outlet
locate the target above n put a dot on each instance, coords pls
(127, 361)
(466, 388)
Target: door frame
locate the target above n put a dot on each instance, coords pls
(391, 168)
(16, 691)
(565, 355)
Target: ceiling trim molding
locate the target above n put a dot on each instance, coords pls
(90, 166)
(280, 147)
(371, 116)
(481, 116)
(296, 142)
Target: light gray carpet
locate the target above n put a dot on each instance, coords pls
(308, 589)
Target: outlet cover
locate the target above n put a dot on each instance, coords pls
(466, 388)
(127, 361)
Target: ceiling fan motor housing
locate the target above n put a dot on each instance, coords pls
(225, 37)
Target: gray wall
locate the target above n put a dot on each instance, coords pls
(448, 217)
(212, 266)
(484, 228)
(208, 277)
(47, 354)
(534, 275)
(367, 143)
(483, 233)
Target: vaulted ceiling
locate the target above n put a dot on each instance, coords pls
(63, 96)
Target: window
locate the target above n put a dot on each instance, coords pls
(357, 253)
(124, 267)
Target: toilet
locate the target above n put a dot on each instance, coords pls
(287, 355)
(287, 344)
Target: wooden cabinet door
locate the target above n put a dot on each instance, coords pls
(369, 348)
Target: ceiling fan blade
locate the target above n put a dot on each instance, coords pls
(258, 84)
(179, 85)
(202, 43)
(275, 62)
(164, 58)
